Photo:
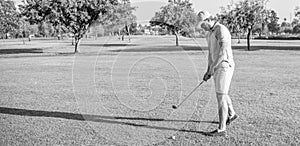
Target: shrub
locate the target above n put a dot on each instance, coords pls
(279, 37)
(288, 30)
(296, 29)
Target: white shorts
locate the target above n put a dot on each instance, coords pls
(222, 77)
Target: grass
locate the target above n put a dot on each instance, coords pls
(120, 93)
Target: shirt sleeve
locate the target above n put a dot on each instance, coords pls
(223, 36)
(223, 39)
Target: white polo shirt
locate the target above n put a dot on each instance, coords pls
(219, 45)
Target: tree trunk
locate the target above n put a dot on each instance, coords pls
(23, 38)
(239, 38)
(177, 42)
(76, 45)
(248, 39)
(128, 30)
(73, 38)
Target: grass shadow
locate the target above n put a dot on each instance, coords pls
(58, 54)
(97, 118)
(66, 54)
(256, 48)
(161, 49)
(18, 51)
(107, 45)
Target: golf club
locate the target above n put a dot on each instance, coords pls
(176, 106)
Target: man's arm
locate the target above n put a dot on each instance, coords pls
(209, 66)
(209, 58)
(209, 72)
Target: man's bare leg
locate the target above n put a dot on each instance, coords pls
(223, 111)
(231, 111)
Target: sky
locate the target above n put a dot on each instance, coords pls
(284, 8)
(147, 8)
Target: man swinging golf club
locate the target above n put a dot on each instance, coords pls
(220, 66)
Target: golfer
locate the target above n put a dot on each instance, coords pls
(220, 67)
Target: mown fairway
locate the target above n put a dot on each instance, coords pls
(120, 93)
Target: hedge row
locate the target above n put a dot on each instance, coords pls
(278, 38)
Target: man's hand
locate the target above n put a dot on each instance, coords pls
(206, 76)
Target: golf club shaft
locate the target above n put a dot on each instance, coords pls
(190, 93)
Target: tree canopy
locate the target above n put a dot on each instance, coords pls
(121, 17)
(9, 21)
(273, 25)
(228, 17)
(178, 17)
(76, 16)
(244, 15)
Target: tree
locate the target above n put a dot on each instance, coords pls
(177, 17)
(297, 12)
(42, 29)
(121, 19)
(124, 18)
(76, 16)
(296, 19)
(9, 21)
(285, 23)
(257, 29)
(27, 29)
(249, 13)
(228, 17)
(296, 29)
(133, 28)
(286, 27)
(140, 29)
(50, 30)
(273, 25)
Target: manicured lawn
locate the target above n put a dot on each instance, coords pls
(120, 93)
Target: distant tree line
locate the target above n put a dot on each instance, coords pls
(243, 18)
(49, 18)
(252, 17)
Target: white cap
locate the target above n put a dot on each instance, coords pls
(202, 15)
